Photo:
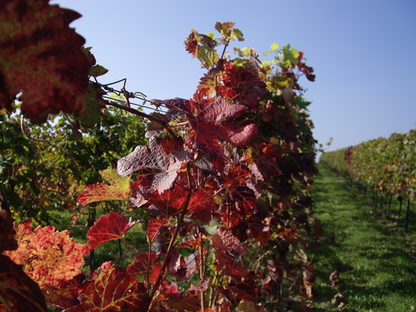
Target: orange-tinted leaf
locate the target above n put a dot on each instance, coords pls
(115, 188)
(107, 228)
(48, 257)
(41, 56)
(7, 240)
(113, 289)
(18, 292)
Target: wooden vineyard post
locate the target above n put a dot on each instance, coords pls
(406, 220)
(389, 205)
(400, 199)
(91, 220)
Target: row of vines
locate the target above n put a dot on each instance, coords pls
(219, 184)
(385, 165)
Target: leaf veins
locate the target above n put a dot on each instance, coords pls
(50, 258)
(107, 228)
(115, 188)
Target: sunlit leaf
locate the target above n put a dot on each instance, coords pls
(48, 257)
(107, 228)
(112, 289)
(114, 188)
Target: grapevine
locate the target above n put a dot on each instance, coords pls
(222, 190)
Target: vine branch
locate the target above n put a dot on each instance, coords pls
(170, 246)
(143, 115)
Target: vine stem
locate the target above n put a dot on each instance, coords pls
(201, 269)
(141, 114)
(26, 134)
(170, 246)
(223, 51)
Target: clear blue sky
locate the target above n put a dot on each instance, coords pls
(363, 52)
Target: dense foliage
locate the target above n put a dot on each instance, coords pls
(43, 168)
(221, 187)
(387, 164)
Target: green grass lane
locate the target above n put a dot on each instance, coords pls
(375, 261)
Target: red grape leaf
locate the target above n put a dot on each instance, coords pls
(154, 227)
(115, 188)
(17, 291)
(50, 258)
(200, 206)
(227, 249)
(190, 243)
(41, 56)
(107, 228)
(225, 241)
(196, 289)
(243, 84)
(7, 240)
(191, 45)
(142, 263)
(113, 289)
(66, 295)
(173, 299)
(216, 118)
(177, 266)
(242, 290)
(179, 302)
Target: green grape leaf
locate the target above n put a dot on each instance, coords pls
(274, 46)
(97, 70)
(92, 111)
(290, 56)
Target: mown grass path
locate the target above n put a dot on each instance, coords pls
(376, 264)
